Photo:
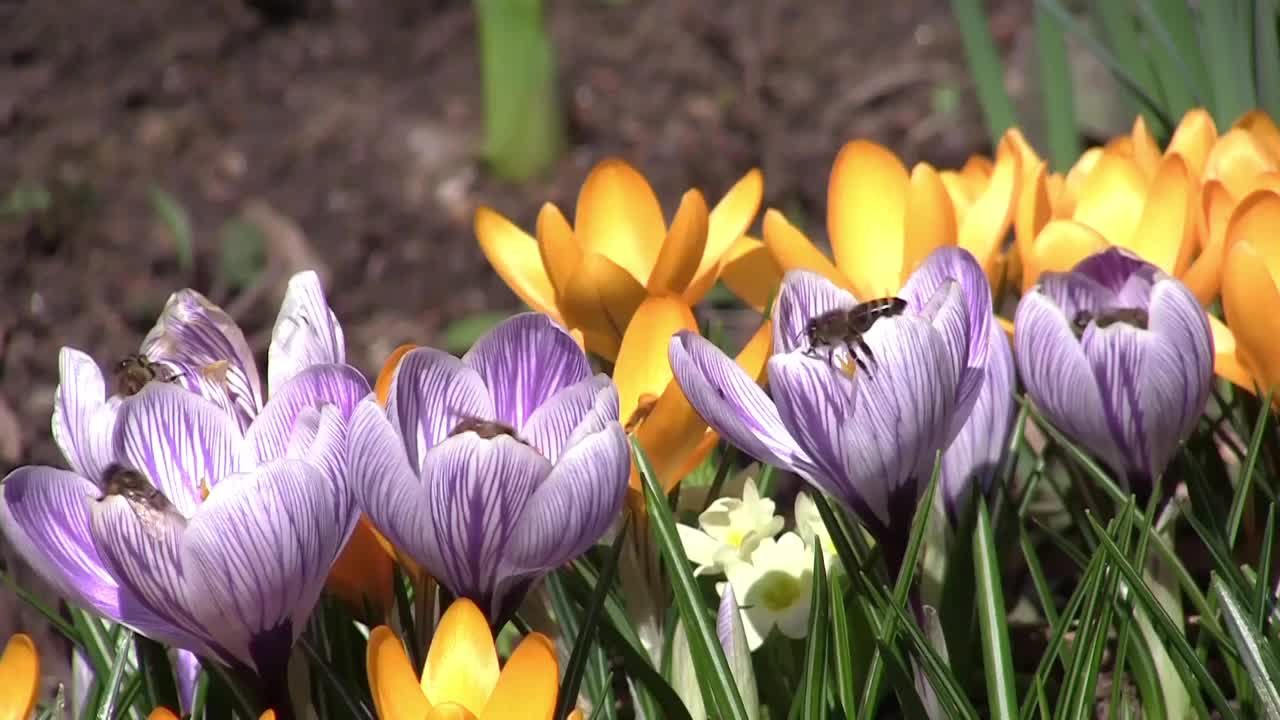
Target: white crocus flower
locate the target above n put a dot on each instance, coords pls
(730, 529)
(775, 584)
(810, 526)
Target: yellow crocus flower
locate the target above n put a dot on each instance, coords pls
(19, 677)
(461, 679)
(592, 276)
(674, 437)
(883, 220)
(1250, 352)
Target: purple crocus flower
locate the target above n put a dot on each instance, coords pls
(193, 512)
(1119, 356)
(867, 437)
(492, 470)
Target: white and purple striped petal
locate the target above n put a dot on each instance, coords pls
(83, 416)
(551, 427)
(431, 392)
(525, 361)
(955, 264)
(340, 385)
(477, 489)
(306, 333)
(804, 295)
(385, 487)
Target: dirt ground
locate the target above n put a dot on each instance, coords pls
(351, 135)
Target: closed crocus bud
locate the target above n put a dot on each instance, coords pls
(1119, 356)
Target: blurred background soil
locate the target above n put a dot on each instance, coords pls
(348, 138)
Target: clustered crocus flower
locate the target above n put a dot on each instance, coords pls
(19, 677)
(461, 679)
(194, 513)
(493, 469)
(868, 437)
(1119, 356)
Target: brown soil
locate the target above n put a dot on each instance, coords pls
(352, 134)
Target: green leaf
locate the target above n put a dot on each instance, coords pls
(354, 708)
(1228, 53)
(50, 615)
(174, 218)
(1267, 54)
(1173, 62)
(1247, 470)
(992, 620)
(842, 632)
(814, 694)
(119, 663)
(242, 253)
(985, 66)
(1057, 92)
(461, 334)
(1259, 659)
(702, 638)
(568, 696)
(158, 685)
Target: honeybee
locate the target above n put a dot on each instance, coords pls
(832, 329)
(1136, 317)
(148, 503)
(136, 370)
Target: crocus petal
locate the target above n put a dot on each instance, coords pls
(982, 443)
(306, 333)
(1163, 235)
(83, 417)
(803, 296)
(44, 514)
(529, 682)
(196, 333)
(450, 711)
(727, 222)
(384, 485)
(1059, 246)
(683, 248)
(20, 668)
(1249, 286)
(340, 385)
(1112, 197)
(731, 402)
(382, 384)
(1193, 139)
(951, 263)
(462, 663)
(523, 362)
(186, 677)
(618, 216)
(576, 503)
(257, 554)
(1226, 363)
(985, 225)
(1178, 372)
(181, 442)
(1059, 376)
(1034, 211)
(551, 426)
(866, 209)
(1118, 355)
(432, 392)
(751, 273)
(600, 296)
(642, 367)
(1114, 269)
(930, 219)
(557, 247)
(477, 490)
(1236, 159)
(791, 250)
(516, 258)
(393, 682)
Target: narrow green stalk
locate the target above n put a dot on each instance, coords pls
(991, 618)
(1056, 91)
(985, 65)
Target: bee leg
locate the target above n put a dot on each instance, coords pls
(862, 343)
(852, 346)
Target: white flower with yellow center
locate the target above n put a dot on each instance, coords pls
(810, 526)
(774, 584)
(731, 528)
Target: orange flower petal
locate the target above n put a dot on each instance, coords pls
(605, 345)
(19, 677)
(600, 296)
(750, 272)
(618, 216)
(791, 250)
(1062, 244)
(382, 386)
(450, 711)
(1193, 139)
(515, 257)
(267, 714)
(1204, 275)
(1226, 363)
(683, 248)
(362, 574)
(642, 367)
(1027, 157)
(529, 683)
(984, 228)
(1145, 149)
(160, 713)
(866, 212)
(727, 223)
(397, 694)
(1034, 212)
(1237, 159)
(1249, 298)
(1263, 129)
(1165, 233)
(1111, 198)
(930, 221)
(462, 664)
(1067, 197)
(557, 247)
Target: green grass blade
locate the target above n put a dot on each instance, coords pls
(1258, 658)
(1247, 470)
(1230, 59)
(158, 687)
(992, 620)
(1266, 47)
(1056, 92)
(814, 706)
(703, 643)
(50, 615)
(354, 708)
(1087, 463)
(119, 663)
(985, 66)
(1263, 584)
(1173, 68)
(176, 221)
(841, 648)
(577, 666)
